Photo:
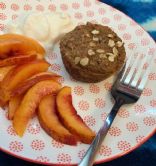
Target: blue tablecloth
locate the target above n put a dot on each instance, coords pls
(144, 12)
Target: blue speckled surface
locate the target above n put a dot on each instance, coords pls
(142, 11)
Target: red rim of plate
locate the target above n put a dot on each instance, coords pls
(100, 161)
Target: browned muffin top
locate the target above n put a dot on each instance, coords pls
(94, 48)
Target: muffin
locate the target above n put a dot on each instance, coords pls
(92, 52)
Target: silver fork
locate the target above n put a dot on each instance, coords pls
(126, 89)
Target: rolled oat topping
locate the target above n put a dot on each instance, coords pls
(84, 61)
(95, 39)
(100, 51)
(110, 36)
(111, 58)
(95, 32)
(77, 60)
(91, 52)
(115, 51)
(119, 44)
(111, 43)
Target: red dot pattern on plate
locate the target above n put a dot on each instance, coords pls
(139, 138)
(14, 7)
(153, 103)
(3, 16)
(147, 92)
(64, 158)
(152, 76)
(133, 23)
(83, 105)
(112, 9)
(27, 7)
(75, 5)
(93, 88)
(114, 131)
(52, 7)
(81, 153)
(122, 27)
(80, 23)
(108, 86)
(145, 66)
(78, 90)
(103, 116)
(102, 11)
(139, 32)
(90, 121)
(90, 13)
(105, 151)
(40, 8)
(149, 121)
(131, 46)
(52, 55)
(78, 15)
(127, 36)
(14, 16)
(43, 159)
(117, 17)
(105, 20)
(123, 113)
(132, 126)
(2, 6)
(64, 7)
(97, 2)
(33, 128)
(139, 108)
(37, 145)
(15, 146)
(56, 144)
(142, 56)
(124, 145)
(145, 42)
(151, 51)
(55, 67)
(93, 21)
(100, 103)
(11, 131)
(87, 3)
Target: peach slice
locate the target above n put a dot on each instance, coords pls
(30, 102)
(71, 120)
(50, 122)
(19, 74)
(4, 71)
(24, 86)
(14, 44)
(13, 105)
(16, 60)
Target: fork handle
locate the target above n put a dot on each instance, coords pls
(88, 159)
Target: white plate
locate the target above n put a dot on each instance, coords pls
(133, 125)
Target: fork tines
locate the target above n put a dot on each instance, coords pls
(137, 70)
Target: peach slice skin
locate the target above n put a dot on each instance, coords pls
(14, 44)
(24, 86)
(50, 122)
(16, 60)
(13, 105)
(71, 120)
(30, 102)
(19, 74)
